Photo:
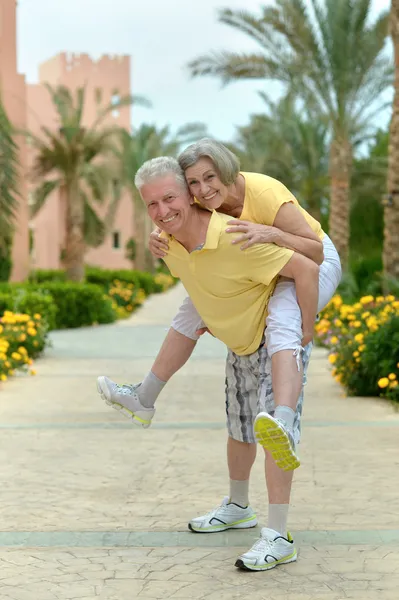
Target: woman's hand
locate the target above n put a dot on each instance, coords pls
(253, 233)
(158, 246)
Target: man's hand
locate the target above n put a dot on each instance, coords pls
(158, 246)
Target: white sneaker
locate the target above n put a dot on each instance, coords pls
(274, 435)
(225, 516)
(270, 550)
(125, 399)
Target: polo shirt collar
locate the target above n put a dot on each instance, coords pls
(214, 231)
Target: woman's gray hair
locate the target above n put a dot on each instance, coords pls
(159, 167)
(225, 162)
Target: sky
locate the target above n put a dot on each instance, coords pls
(161, 36)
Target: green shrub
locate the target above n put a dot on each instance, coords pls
(20, 299)
(78, 304)
(41, 275)
(107, 277)
(363, 339)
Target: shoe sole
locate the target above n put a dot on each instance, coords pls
(104, 393)
(240, 564)
(274, 439)
(246, 525)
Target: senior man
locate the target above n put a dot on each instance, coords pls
(230, 290)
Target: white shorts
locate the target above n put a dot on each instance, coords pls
(284, 320)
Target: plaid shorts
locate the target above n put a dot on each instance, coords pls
(249, 392)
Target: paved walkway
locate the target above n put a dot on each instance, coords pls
(92, 507)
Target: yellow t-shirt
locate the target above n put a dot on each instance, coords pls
(229, 287)
(263, 198)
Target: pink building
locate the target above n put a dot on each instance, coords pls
(30, 107)
(13, 93)
(106, 80)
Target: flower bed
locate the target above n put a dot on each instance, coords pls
(22, 338)
(363, 340)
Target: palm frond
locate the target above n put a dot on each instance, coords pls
(41, 194)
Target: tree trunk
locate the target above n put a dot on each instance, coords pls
(339, 170)
(140, 233)
(74, 243)
(391, 210)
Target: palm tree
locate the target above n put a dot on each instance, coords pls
(80, 163)
(9, 165)
(9, 195)
(290, 147)
(143, 144)
(334, 57)
(391, 211)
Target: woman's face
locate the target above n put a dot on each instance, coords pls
(204, 183)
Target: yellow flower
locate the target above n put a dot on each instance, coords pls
(362, 347)
(383, 382)
(32, 331)
(357, 324)
(22, 337)
(16, 356)
(332, 359)
(337, 322)
(3, 377)
(397, 364)
(390, 298)
(334, 339)
(366, 299)
(22, 350)
(391, 376)
(393, 384)
(37, 317)
(359, 337)
(32, 372)
(1, 328)
(355, 353)
(35, 343)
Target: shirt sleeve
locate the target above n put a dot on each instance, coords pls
(265, 261)
(269, 202)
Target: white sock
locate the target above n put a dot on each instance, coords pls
(239, 492)
(149, 389)
(286, 414)
(277, 518)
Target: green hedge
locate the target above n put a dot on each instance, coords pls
(103, 277)
(77, 304)
(21, 300)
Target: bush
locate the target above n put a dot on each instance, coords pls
(22, 337)
(20, 299)
(363, 340)
(78, 304)
(107, 277)
(45, 275)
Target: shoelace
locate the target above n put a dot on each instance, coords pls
(262, 544)
(212, 512)
(125, 389)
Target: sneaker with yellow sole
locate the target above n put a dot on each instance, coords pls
(274, 435)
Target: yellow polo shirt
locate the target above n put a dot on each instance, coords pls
(229, 287)
(263, 198)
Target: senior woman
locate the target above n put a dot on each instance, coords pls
(265, 212)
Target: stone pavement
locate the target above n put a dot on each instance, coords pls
(93, 508)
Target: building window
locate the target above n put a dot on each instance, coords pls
(116, 239)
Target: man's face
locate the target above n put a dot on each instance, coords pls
(168, 203)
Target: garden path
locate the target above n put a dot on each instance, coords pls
(92, 507)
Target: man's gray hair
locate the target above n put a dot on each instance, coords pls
(159, 167)
(225, 162)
